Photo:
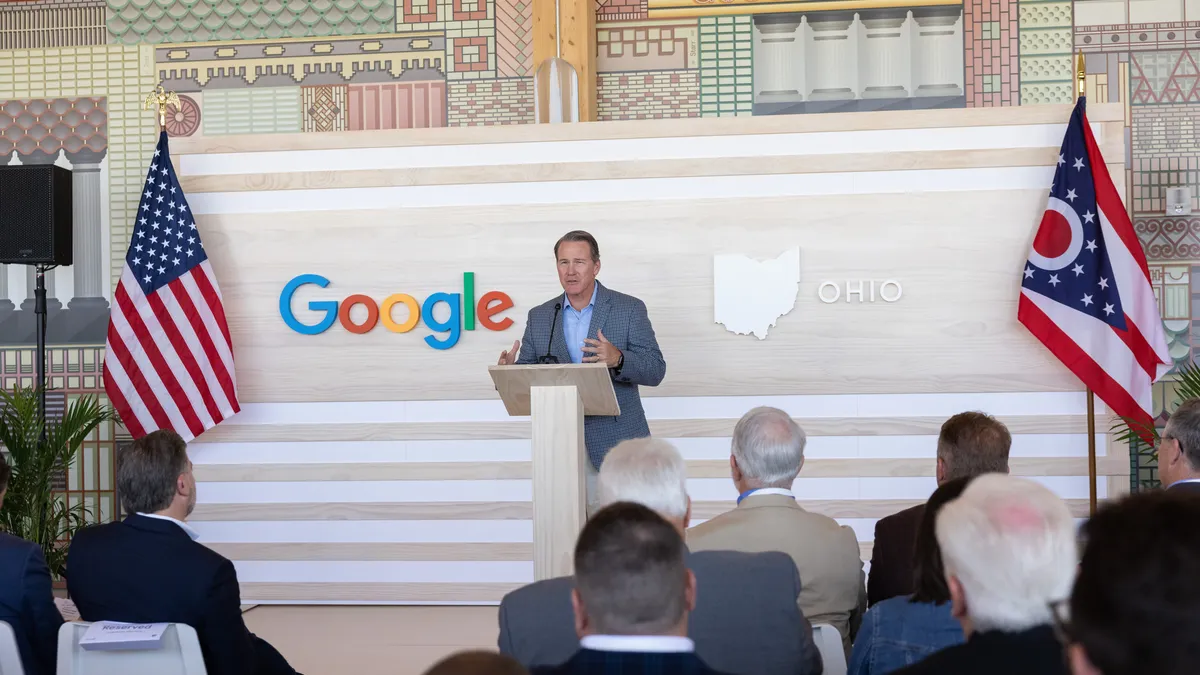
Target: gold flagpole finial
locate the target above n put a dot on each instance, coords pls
(1080, 76)
(159, 99)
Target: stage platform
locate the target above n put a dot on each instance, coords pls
(339, 640)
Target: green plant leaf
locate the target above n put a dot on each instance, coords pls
(33, 509)
(1186, 381)
(1129, 430)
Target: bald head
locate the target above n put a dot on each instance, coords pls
(768, 449)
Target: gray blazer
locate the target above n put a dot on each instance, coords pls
(746, 620)
(625, 323)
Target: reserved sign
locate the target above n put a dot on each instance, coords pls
(113, 635)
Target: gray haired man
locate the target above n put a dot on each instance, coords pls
(745, 621)
(768, 451)
(151, 567)
(1179, 451)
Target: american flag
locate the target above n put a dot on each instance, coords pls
(168, 362)
(1085, 290)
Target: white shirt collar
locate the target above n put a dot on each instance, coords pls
(638, 643)
(772, 491)
(1185, 480)
(190, 532)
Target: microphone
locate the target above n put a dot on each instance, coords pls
(548, 357)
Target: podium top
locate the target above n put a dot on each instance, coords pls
(591, 379)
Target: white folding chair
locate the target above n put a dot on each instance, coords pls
(829, 643)
(179, 655)
(10, 654)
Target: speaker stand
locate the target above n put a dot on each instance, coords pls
(39, 312)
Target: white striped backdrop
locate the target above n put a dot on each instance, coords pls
(496, 551)
(372, 469)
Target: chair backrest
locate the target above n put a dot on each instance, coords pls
(829, 643)
(180, 655)
(10, 654)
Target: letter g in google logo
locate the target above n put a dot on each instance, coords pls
(463, 311)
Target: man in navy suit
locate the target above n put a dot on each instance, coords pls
(632, 595)
(746, 620)
(150, 568)
(969, 444)
(591, 323)
(1179, 451)
(26, 601)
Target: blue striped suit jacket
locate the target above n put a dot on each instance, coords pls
(626, 324)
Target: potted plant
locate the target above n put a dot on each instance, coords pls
(39, 455)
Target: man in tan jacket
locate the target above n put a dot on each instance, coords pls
(768, 451)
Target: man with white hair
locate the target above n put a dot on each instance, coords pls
(745, 620)
(768, 451)
(1008, 545)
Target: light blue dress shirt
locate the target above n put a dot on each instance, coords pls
(575, 325)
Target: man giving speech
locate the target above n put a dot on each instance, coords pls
(592, 324)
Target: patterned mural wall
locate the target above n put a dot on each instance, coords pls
(1144, 54)
(73, 74)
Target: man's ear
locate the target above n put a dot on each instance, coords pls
(1169, 453)
(734, 470)
(687, 517)
(581, 622)
(1080, 663)
(941, 471)
(690, 592)
(958, 599)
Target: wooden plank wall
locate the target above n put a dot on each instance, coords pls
(372, 468)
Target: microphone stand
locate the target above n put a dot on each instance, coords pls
(548, 357)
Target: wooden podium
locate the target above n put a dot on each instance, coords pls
(556, 397)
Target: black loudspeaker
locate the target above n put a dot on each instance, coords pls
(35, 215)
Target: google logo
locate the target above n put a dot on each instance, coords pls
(464, 311)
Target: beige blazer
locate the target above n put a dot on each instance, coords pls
(832, 588)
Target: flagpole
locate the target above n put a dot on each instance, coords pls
(1080, 88)
(1091, 432)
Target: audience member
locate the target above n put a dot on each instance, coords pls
(902, 631)
(632, 595)
(746, 620)
(1008, 545)
(970, 444)
(768, 451)
(1136, 604)
(1179, 451)
(477, 662)
(149, 568)
(26, 599)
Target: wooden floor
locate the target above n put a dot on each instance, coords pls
(337, 640)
